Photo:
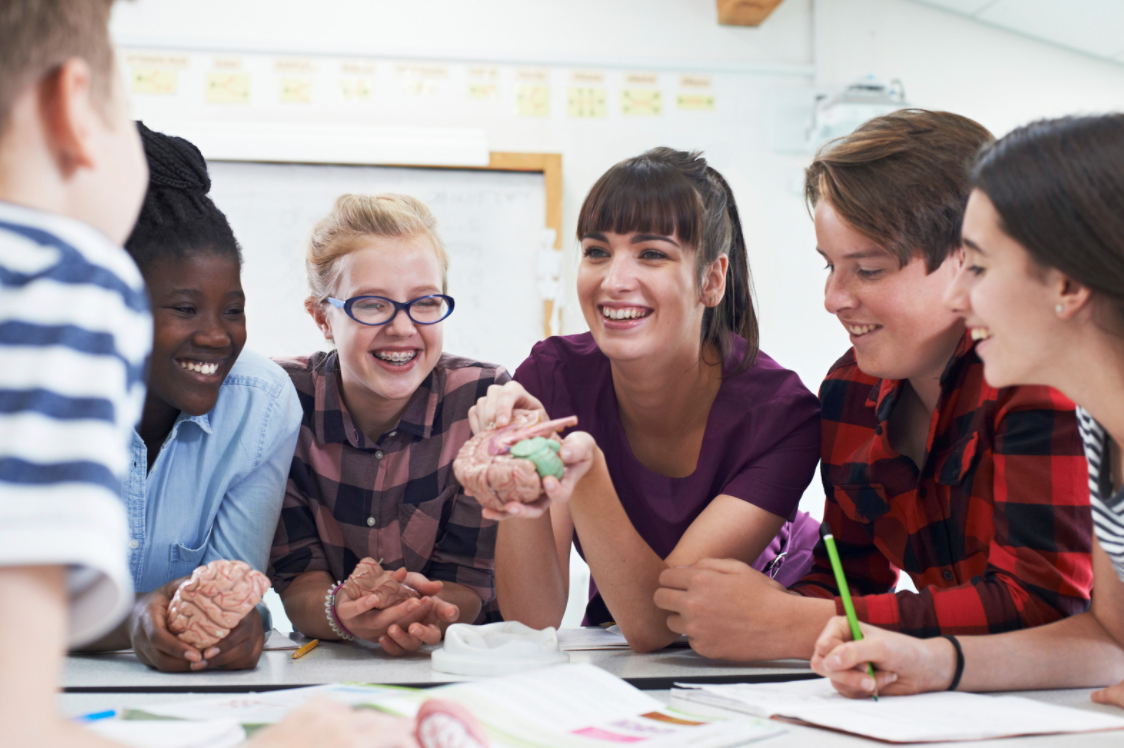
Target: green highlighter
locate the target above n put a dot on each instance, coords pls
(845, 593)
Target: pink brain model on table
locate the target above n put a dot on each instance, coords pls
(369, 578)
(447, 724)
(213, 601)
(507, 464)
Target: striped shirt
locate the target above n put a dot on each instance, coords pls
(74, 335)
(1108, 506)
(394, 499)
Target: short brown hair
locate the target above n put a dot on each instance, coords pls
(902, 180)
(40, 35)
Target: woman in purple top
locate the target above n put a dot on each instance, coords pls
(694, 444)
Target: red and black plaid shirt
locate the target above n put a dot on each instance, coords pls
(994, 528)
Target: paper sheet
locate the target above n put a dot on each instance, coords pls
(269, 707)
(596, 637)
(568, 706)
(930, 717)
(169, 734)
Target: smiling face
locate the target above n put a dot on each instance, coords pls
(1007, 301)
(385, 364)
(199, 328)
(895, 316)
(639, 294)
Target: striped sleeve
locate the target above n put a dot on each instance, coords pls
(74, 336)
(1108, 509)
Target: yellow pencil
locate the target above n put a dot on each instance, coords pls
(305, 649)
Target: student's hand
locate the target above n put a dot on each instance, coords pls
(1113, 695)
(153, 643)
(578, 453)
(323, 721)
(494, 409)
(902, 664)
(400, 640)
(362, 618)
(242, 647)
(725, 607)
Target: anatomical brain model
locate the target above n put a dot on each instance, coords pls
(507, 464)
(371, 579)
(212, 602)
(447, 724)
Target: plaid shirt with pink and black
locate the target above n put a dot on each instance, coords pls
(994, 528)
(394, 498)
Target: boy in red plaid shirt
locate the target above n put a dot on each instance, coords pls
(979, 494)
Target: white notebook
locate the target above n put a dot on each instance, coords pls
(930, 717)
(169, 733)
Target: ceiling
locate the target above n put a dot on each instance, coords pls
(1095, 27)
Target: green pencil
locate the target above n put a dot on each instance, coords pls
(845, 594)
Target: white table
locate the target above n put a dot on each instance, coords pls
(361, 662)
(73, 704)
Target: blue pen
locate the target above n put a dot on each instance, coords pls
(94, 717)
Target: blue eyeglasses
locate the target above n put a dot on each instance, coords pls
(379, 310)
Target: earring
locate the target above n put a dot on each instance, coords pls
(1059, 309)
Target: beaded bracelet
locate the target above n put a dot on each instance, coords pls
(333, 620)
(959, 662)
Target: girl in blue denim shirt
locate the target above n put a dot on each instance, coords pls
(211, 454)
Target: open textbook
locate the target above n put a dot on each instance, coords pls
(565, 706)
(930, 717)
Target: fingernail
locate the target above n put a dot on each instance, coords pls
(893, 677)
(868, 684)
(833, 662)
(565, 453)
(199, 665)
(192, 656)
(502, 420)
(212, 652)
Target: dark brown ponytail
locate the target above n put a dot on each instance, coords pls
(670, 192)
(735, 314)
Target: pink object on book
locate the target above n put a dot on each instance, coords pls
(369, 578)
(447, 724)
(493, 476)
(213, 601)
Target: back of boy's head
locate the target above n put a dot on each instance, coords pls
(177, 218)
(901, 180)
(40, 35)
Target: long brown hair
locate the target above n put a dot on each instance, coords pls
(1058, 186)
(675, 193)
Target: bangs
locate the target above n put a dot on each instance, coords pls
(643, 196)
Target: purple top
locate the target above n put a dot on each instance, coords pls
(761, 445)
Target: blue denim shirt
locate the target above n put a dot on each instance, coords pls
(216, 488)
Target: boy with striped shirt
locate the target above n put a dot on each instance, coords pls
(75, 331)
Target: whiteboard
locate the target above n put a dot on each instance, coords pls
(491, 221)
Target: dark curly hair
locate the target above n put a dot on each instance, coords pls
(177, 217)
